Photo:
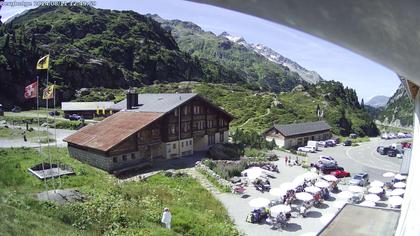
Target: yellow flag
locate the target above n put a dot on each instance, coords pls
(43, 63)
(48, 92)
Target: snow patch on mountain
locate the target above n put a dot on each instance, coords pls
(309, 76)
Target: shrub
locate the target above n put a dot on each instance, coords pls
(225, 151)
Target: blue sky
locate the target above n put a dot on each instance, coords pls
(330, 61)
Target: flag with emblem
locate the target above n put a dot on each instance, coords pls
(31, 91)
(48, 92)
(43, 63)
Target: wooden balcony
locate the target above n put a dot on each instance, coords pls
(186, 135)
(150, 141)
(186, 118)
(212, 130)
(223, 129)
(199, 133)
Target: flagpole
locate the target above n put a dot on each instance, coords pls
(39, 132)
(37, 112)
(55, 137)
(48, 136)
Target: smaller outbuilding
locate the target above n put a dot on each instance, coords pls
(88, 110)
(298, 134)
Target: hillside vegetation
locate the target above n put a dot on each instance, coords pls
(93, 48)
(118, 49)
(258, 72)
(399, 109)
(259, 110)
(112, 207)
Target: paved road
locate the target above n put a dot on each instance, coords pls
(363, 158)
(19, 142)
(42, 114)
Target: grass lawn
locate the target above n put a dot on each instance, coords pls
(129, 208)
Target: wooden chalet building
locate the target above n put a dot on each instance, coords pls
(150, 127)
(297, 135)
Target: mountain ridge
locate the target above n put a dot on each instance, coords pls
(252, 65)
(378, 101)
(399, 109)
(309, 76)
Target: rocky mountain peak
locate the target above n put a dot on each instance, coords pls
(309, 76)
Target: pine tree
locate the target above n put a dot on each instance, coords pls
(362, 105)
(33, 42)
(6, 42)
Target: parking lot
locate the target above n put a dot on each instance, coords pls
(363, 158)
(357, 159)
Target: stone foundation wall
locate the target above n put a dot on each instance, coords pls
(93, 159)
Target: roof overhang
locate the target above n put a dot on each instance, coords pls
(411, 88)
(385, 31)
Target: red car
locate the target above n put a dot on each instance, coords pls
(340, 173)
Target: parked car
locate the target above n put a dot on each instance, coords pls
(385, 136)
(383, 150)
(312, 144)
(347, 143)
(330, 143)
(392, 153)
(395, 153)
(16, 109)
(392, 135)
(406, 145)
(306, 149)
(75, 117)
(340, 173)
(353, 136)
(319, 165)
(322, 143)
(408, 135)
(361, 179)
(326, 169)
(54, 113)
(326, 159)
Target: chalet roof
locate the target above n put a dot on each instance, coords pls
(302, 128)
(85, 106)
(112, 130)
(116, 128)
(157, 102)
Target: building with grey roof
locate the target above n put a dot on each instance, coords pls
(149, 127)
(298, 134)
(153, 102)
(87, 110)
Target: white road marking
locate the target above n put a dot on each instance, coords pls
(365, 164)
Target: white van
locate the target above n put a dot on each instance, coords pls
(313, 144)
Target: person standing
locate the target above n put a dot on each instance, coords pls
(285, 160)
(166, 218)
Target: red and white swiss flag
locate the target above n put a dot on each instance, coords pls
(31, 91)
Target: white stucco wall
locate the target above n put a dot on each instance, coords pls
(409, 219)
(279, 141)
(226, 136)
(182, 147)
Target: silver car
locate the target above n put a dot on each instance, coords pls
(361, 179)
